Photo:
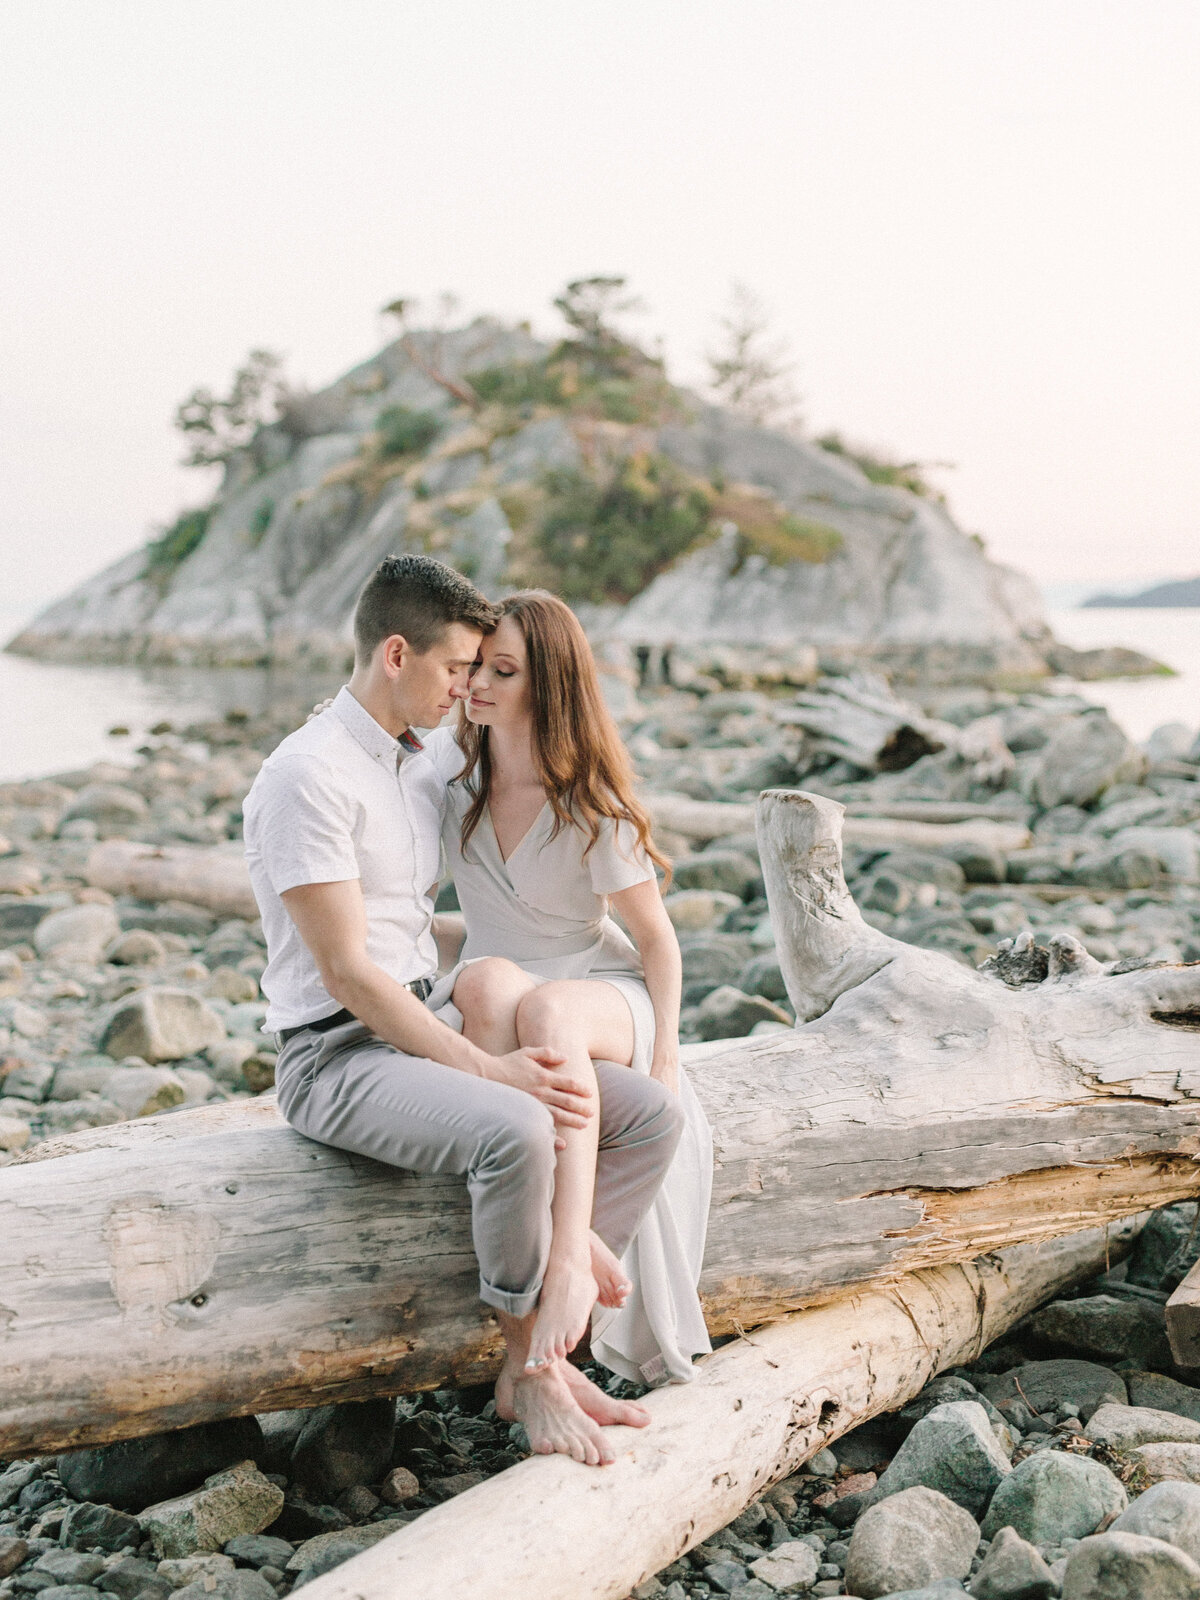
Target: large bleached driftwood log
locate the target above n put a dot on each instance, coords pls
(759, 1408)
(921, 1114)
(216, 878)
(705, 820)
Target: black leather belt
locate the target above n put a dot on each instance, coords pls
(421, 987)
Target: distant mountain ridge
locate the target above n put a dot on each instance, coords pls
(1179, 592)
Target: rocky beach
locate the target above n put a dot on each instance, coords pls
(978, 821)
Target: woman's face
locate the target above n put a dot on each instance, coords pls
(499, 695)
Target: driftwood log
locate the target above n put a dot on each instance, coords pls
(705, 820)
(1183, 1320)
(759, 1408)
(861, 721)
(921, 1114)
(215, 878)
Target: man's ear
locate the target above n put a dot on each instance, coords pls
(394, 653)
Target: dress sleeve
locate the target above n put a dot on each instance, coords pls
(616, 861)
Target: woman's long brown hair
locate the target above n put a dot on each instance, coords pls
(582, 764)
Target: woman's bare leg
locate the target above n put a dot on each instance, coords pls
(584, 1020)
(488, 993)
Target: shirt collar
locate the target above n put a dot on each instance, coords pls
(374, 739)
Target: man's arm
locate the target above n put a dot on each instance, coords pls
(332, 921)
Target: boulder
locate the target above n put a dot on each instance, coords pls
(70, 1566)
(912, 1538)
(14, 1134)
(697, 910)
(137, 947)
(1044, 1385)
(1013, 1569)
(238, 1500)
(710, 959)
(763, 975)
(1169, 1461)
(399, 1485)
(1176, 850)
(181, 1570)
(790, 1568)
(332, 1555)
(134, 1473)
(1083, 757)
(90, 1527)
(76, 933)
(1156, 1244)
(1126, 1566)
(951, 1387)
(260, 1550)
(30, 1081)
(15, 1477)
(131, 1578)
(13, 1552)
(161, 1025)
(141, 1091)
(69, 1591)
(1161, 1393)
(953, 1451)
(1126, 1427)
(1052, 1496)
(241, 1584)
(340, 1446)
(727, 1013)
(728, 871)
(1169, 1510)
(361, 1538)
(111, 806)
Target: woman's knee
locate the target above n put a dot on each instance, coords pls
(546, 1007)
(489, 990)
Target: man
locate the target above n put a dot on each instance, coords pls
(342, 836)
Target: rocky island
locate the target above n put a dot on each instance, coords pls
(668, 521)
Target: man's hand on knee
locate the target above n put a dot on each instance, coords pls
(542, 1074)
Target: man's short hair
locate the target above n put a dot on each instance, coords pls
(419, 598)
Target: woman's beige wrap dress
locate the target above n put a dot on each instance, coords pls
(546, 909)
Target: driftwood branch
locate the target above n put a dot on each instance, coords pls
(760, 1408)
(923, 1115)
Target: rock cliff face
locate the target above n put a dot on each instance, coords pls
(304, 516)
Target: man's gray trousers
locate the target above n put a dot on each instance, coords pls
(348, 1089)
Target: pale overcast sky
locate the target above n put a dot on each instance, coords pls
(977, 224)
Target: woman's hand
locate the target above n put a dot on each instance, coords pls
(316, 711)
(664, 1066)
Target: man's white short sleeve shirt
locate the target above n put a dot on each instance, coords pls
(341, 799)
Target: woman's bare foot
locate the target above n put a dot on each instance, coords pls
(564, 1306)
(601, 1407)
(554, 1420)
(610, 1277)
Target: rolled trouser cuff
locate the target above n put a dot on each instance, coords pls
(514, 1303)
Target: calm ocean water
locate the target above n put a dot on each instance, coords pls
(55, 717)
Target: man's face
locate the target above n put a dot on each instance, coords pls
(427, 685)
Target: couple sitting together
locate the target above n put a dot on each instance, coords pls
(545, 1064)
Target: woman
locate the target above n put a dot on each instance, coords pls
(542, 836)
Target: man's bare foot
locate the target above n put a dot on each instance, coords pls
(601, 1407)
(564, 1306)
(554, 1421)
(610, 1276)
